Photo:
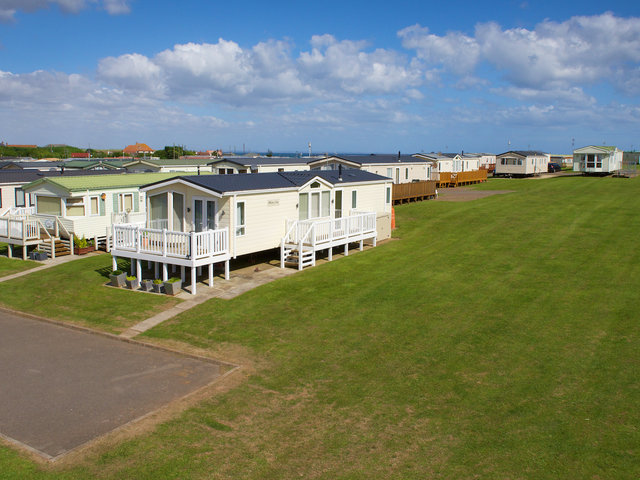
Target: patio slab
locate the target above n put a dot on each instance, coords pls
(63, 387)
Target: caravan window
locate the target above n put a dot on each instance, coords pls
(94, 204)
(125, 203)
(75, 207)
(48, 205)
(240, 219)
(20, 198)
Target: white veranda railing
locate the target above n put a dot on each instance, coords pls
(167, 243)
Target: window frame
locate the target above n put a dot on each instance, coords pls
(241, 227)
(24, 197)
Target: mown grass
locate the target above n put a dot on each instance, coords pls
(495, 339)
(75, 292)
(9, 266)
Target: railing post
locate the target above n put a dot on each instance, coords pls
(164, 243)
(138, 239)
(193, 252)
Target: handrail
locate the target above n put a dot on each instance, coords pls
(168, 243)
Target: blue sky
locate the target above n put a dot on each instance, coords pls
(346, 76)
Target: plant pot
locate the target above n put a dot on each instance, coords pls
(39, 256)
(157, 287)
(83, 250)
(118, 280)
(147, 285)
(172, 288)
(133, 284)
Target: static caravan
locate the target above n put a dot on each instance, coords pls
(399, 168)
(598, 160)
(211, 219)
(88, 205)
(259, 164)
(521, 163)
(184, 165)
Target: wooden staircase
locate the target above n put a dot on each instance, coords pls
(292, 256)
(61, 247)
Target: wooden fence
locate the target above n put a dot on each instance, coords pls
(448, 179)
(414, 191)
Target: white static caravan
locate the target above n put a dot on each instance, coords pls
(259, 164)
(599, 160)
(400, 168)
(87, 205)
(521, 163)
(211, 219)
(453, 162)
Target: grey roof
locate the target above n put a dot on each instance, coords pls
(377, 158)
(29, 175)
(257, 161)
(524, 153)
(275, 180)
(35, 165)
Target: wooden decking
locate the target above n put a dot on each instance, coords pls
(449, 179)
(414, 191)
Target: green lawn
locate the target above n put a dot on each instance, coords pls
(75, 292)
(9, 266)
(495, 339)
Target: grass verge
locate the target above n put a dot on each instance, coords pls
(75, 292)
(496, 339)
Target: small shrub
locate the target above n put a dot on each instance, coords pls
(174, 279)
(131, 278)
(117, 272)
(157, 281)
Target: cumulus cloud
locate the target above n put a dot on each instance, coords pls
(265, 73)
(455, 51)
(346, 66)
(8, 8)
(554, 55)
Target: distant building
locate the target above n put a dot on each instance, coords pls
(80, 155)
(138, 149)
(594, 159)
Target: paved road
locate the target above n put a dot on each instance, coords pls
(61, 387)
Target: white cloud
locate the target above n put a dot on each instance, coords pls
(8, 8)
(226, 73)
(344, 66)
(455, 51)
(132, 72)
(554, 55)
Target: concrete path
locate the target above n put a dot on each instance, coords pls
(241, 281)
(62, 387)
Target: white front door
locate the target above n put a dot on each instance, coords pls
(204, 214)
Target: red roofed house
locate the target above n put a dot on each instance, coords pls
(137, 149)
(80, 155)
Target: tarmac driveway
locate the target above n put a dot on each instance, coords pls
(61, 387)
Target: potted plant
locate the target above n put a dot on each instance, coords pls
(118, 278)
(173, 286)
(157, 285)
(82, 245)
(38, 255)
(147, 285)
(132, 282)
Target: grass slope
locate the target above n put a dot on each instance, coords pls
(75, 292)
(9, 266)
(496, 339)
